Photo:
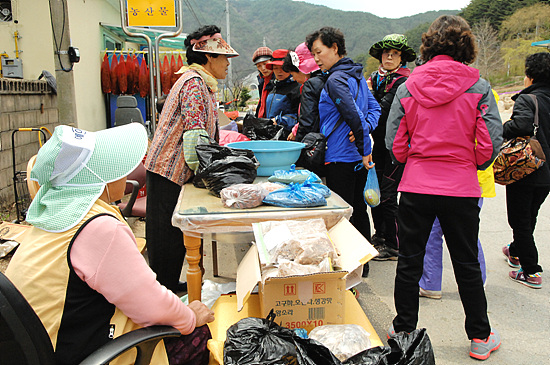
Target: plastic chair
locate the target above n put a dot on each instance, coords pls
(136, 206)
(127, 110)
(24, 340)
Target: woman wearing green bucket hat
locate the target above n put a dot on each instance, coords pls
(393, 53)
(79, 267)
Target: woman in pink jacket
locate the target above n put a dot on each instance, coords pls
(434, 122)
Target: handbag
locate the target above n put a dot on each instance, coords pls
(520, 156)
(312, 156)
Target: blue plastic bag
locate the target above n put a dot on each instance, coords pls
(371, 192)
(294, 176)
(296, 196)
(322, 189)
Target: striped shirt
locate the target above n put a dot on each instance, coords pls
(191, 104)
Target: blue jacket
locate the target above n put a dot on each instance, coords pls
(282, 102)
(360, 116)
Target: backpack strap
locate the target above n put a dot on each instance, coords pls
(536, 122)
(80, 230)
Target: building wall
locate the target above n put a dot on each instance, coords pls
(34, 28)
(24, 104)
(87, 35)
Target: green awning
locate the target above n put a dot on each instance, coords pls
(545, 44)
(174, 42)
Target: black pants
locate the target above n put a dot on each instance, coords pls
(164, 242)
(384, 216)
(522, 204)
(349, 184)
(459, 219)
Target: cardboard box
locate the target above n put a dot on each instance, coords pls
(10, 236)
(308, 301)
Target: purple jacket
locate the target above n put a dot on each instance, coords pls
(436, 118)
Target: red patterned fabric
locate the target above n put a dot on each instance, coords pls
(190, 105)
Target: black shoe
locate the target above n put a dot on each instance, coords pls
(365, 270)
(377, 240)
(386, 253)
(181, 286)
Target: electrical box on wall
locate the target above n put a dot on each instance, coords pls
(12, 68)
(74, 54)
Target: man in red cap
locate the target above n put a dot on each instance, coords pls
(260, 58)
(282, 102)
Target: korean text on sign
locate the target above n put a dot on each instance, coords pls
(148, 13)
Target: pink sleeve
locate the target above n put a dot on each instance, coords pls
(105, 256)
(295, 129)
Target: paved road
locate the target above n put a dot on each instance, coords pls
(521, 314)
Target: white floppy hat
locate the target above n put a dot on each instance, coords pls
(74, 166)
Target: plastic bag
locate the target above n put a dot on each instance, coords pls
(243, 196)
(305, 242)
(295, 197)
(211, 291)
(343, 340)
(291, 268)
(413, 348)
(261, 341)
(318, 187)
(294, 176)
(227, 136)
(261, 128)
(220, 167)
(371, 192)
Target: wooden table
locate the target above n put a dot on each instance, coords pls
(198, 213)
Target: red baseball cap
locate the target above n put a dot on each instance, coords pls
(278, 58)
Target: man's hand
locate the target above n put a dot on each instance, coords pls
(351, 137)
(291, 137)
(203, 314)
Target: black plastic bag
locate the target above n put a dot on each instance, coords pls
(220, 167)
(261, 341)
(413, 348)
(261, 128)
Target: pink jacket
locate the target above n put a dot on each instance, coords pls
(434, 122)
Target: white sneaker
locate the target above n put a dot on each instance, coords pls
(432, 294)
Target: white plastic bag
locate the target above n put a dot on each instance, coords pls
(211, 291)
(343, 340)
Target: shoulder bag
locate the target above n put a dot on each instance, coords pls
(520, 156)
(313, 154)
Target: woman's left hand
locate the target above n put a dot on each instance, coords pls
(367, 162)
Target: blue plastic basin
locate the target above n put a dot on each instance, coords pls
(272, 155)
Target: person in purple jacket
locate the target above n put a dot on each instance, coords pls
(443, 125)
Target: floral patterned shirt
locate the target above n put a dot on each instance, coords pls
(191, 104)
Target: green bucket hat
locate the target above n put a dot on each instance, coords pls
(73, 168)
(393, 41)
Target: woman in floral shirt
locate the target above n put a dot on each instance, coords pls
(190, 110)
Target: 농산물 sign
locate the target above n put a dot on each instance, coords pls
(151, 13)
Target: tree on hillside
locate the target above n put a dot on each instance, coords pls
(414, 36)
(527, 23)
(495, 11)
(488, 57)
(245, 96)
(514, 52)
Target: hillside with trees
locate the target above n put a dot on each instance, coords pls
(285, 24)
(505, 30)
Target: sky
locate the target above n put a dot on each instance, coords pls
(392, 8)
